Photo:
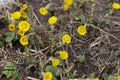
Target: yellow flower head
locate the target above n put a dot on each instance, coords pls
(24, 25)
(55, 62)
(82, 30)
(68, 2)
(24, 7)
(116, 6)
(16, 15)
(24, 40)
(66, 38)
(43, 11)
(52, 20)
(97, 79)
(11, 27)
(118, 77)
(63, 55)
(21, 32)
(66, 7)
(48, 76)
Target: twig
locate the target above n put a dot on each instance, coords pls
(104, 32)
(115, 22)
(36, 18)
(40, 51)
(31, 78)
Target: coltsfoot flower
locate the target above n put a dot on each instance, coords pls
(97, 79)
(24, 7)
(66, 38)
(24, 40)
(55, 62)
(43, 11)
(24, 25)
(21, 32)
(16, 15)
(11, 27)
(116, 6)
(82, 30)
(66, 7)
(52, 20)
(68, 2)
(63, 55)
(48, 76)
(118, 77)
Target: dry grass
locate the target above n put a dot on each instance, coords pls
(100, 46)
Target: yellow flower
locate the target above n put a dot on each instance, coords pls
(21, 32)
(48, 76)
(66, 6)
(82, 30)
(24, 25)
(97, 79)
(16, 15)
(11, 27)
(68, 2)
(55, 62)
(66, 38)
(24, 40)
(52, 20)
(116, 6)
(63, 55)
(43, 11)
(118, 77)
(24, 7)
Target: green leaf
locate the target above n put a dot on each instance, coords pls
(105, 75)
(83, 19)
(54, 78)
(92, 75)
(76, 16)
(81, 58)
(61, 61)
(69, 68)
(7, 73)
(9, 65)
(52, 69)
(10, 36)
(10, 70)
(31, 59)
(1, 44)
(107, 21)
(111, 77)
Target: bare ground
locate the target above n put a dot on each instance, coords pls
(101, 45)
